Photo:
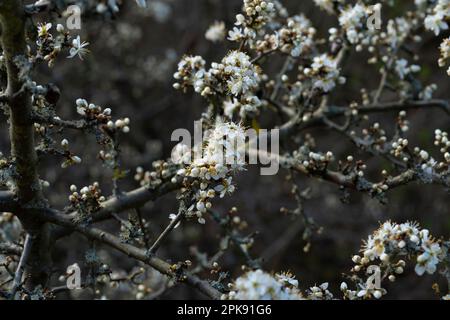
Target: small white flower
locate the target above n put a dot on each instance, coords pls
(436, 23)
(216, 32)
(78, 48)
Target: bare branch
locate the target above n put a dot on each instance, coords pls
(101, 236)
(294, 124)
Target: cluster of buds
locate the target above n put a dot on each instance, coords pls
(399, 149)
(314, 161)
(87, 199)
(40, 129)
(49, 46)
(119, 124)
(93, 112)
(70, 158)
(352, 19)
(428, 164)
(142, 291)
(260, 285)
(236, 76)
(323, 73)
(298, 37)
(162, 171)
(211, 174)
(350, 165)
(319, 292)
(256, 14)
(402, 122)
(375, 135)
(442, 141)
(379, 188)
(190, 72)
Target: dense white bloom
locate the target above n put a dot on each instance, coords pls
(351, 17)
(78, 48)
(428, 260)
(235, 75)
(224, 147)
(242, 76)
(260, 285)
(221, 153)
(297, 37)
(256, 13)
(393, 239)
(236, 34)
(191, 72)
(325, 73)
(354, 21)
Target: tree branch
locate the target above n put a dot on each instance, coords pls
(349, 181)
(101, 236)
(331, 112)
(26, 181)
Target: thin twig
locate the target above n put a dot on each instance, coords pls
(21, 266)
(168, 229)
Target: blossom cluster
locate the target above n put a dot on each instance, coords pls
(209, 174)
(260, 285)
(236, 77)
(255, 15)
(86, 200)
(163, 171)
(93, 112)
(353, 20)
(324, 73)
(296, 38)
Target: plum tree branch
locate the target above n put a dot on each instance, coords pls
(349, 181)
(317, 119)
